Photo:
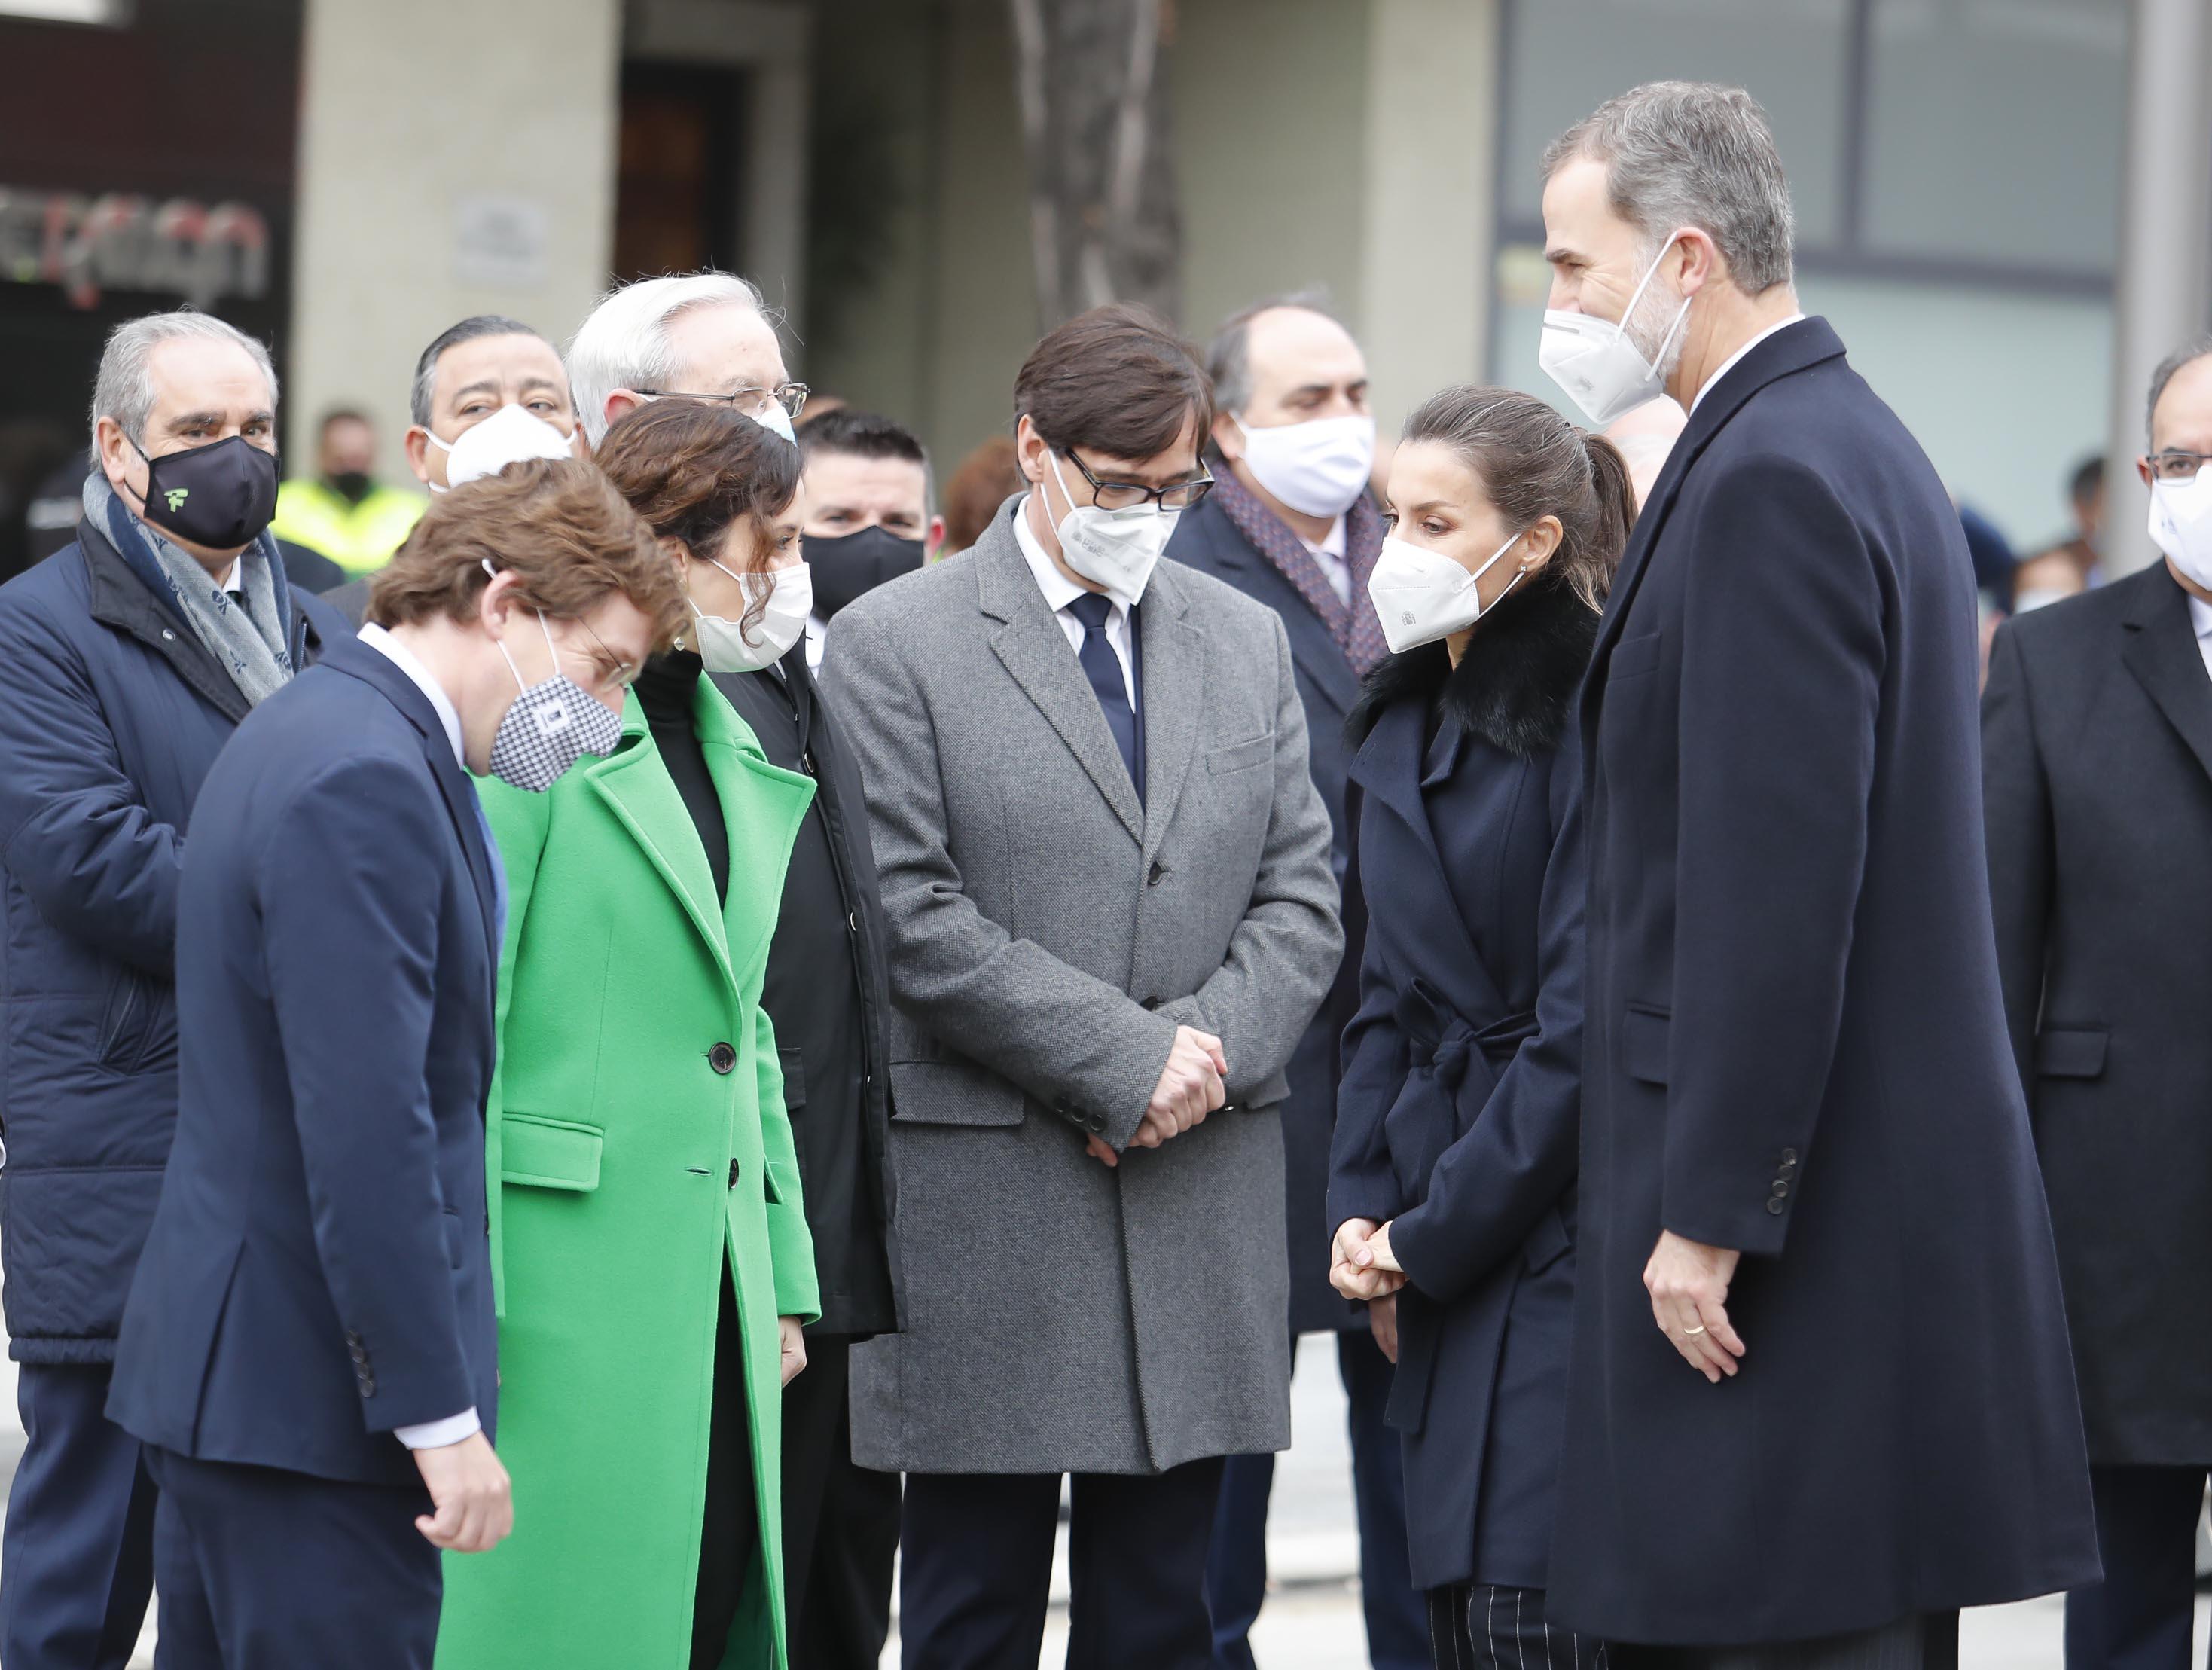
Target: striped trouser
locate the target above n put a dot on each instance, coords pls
(1482, 1626)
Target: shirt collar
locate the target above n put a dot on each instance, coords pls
(2200, 615)
(406, 660)
(1058, 591)
(1333, 542)
(1730, 364)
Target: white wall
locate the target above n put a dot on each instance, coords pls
(409, 108)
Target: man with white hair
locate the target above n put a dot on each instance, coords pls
(1822, 1394)
(127, 660)
(704, 336)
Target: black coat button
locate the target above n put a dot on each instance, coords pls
(1789, 1156)
(722, 1058)
(1097, 1122)
(733, 1174)
(1776, 1207)
(1159, 870)
(1780, 1188)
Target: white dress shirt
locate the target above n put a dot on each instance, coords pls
(1336, 566)
(1059, 591)
(430, 1434)
(2200, 617)
(1728, 364)
(815, 628)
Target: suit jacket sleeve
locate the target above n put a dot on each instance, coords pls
(1007, 1003)
(519, 822)
(1782, 658)
(344, 866)
(1519, 1153)
(2016, 804)
(74, 830)
(1283, 957)
(791, 1243)
(1362, 1183)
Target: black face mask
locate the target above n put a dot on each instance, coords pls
(351, 486)
(221, 496)
(848, 564)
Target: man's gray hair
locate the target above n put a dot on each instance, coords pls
(2190, 351)
(1229, 355)
(624, 342)
(124, 390)
(1693, 154)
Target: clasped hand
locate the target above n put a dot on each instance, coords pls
(1192, 1085)
(1360, 1262)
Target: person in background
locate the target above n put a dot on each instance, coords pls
(308, 1349)
(2047, 578)
(1453, 1175)
(979, 489)
(2097, 778)
(1810, 1215)
(126, 661)
(1290, 524)
(1105, 869)
(702, 336)
(648, 1237)
(826, 992)
(867, 510)
(343, 511)
(487, 392)
(2085, 498)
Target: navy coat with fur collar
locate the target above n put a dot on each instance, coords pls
(1456, 1115)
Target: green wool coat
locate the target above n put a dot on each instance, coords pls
(637, 1128)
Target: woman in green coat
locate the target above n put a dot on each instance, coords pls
(649, 1245)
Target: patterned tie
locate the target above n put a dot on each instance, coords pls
(1104, 668)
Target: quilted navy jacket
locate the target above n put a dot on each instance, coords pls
(111, 712)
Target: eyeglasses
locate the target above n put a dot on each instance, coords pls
(614, 672)
(1127, 495)
(2174, 464)
(752, 401)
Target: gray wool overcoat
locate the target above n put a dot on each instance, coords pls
(1048, 933)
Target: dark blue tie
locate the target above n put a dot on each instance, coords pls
(1104, 668)
(498, 876)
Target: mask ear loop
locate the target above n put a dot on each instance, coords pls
(514, 671)
(1480, 608)
(1667, 338)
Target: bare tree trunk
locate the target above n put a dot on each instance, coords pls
(1103, 223)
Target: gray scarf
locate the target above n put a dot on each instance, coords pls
(252, 651)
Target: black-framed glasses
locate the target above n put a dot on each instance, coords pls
(752, 401)
(1128, 494)
(2175, 464)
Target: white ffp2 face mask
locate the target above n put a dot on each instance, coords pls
(1115, 549)
(508, 436)
(1598, 363)
(722, 645)
(1318, 467)
(2181, 523)
(1422, 595)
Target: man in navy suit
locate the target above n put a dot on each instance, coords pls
(1822, 1396)
(1291, 523)
(307, 1351)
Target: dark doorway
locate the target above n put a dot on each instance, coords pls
(676, 192)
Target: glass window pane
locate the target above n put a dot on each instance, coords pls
(1996, 131)
(1565, 58)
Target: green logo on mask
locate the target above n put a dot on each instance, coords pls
(177, 496)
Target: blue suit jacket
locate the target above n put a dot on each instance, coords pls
(1208, 541)
(317, 1273)
(1794, 1045)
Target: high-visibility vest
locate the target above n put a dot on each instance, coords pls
(358, 537)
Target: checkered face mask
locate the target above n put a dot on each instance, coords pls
(548, 727)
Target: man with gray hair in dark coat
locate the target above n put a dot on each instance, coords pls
(1821, 1396)
(127, 660)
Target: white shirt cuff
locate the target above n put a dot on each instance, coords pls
(436, 1435)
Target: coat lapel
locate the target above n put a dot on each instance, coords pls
(645, 802)
(1172, 680)
(1795, 347)
(1311, 646)
(763, 806)
(1388, 768)
(2162, 653)
(1035, 651)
